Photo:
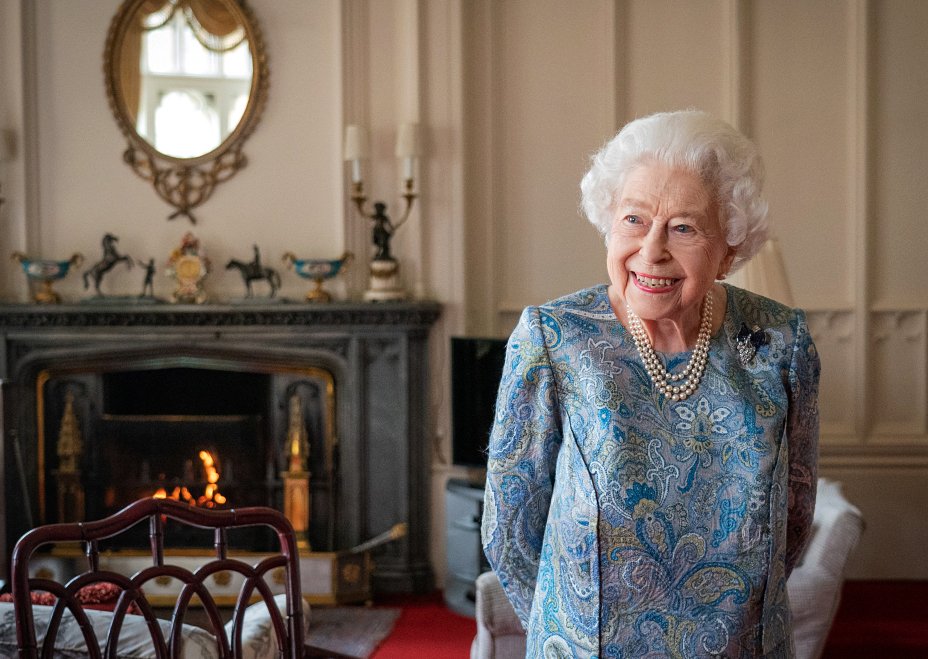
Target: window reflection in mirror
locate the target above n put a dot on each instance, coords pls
(194, 75)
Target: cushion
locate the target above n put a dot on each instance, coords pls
(258, 638)
(101, 596)
(813, 597)
(134, 639)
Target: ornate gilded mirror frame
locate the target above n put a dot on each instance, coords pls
(185, 183)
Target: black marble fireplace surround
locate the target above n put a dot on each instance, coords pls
(375, 355)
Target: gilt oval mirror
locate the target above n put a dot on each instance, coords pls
(187, 82)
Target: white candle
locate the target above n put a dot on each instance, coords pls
(407, 168)
(356, 170)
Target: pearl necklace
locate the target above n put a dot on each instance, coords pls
(693, 371)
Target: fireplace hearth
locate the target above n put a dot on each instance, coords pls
(200, 403)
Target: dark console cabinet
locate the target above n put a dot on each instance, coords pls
(466, 560)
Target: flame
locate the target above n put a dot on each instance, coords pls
(212, 476)
(210, 498)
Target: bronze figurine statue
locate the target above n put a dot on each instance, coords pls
(110, 258)
(384, 281)
(383, 231)
(148, 288)
(255, 271)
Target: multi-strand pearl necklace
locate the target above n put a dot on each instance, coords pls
(693, 371)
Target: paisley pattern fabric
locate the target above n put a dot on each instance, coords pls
(625, 525)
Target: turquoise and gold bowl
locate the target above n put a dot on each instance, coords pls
(318, 270)
(47, 271)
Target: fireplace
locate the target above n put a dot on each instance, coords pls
(208, 433)
(104, 405)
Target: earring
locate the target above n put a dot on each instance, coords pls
(721, 276)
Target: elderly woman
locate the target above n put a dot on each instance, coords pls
(652, 465)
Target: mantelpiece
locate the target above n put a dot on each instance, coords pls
(376, 355)
(320, 317)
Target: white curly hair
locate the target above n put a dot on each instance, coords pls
(727, 162)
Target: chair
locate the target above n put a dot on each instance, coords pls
(164, 640)
(499, 631)
(814, 586)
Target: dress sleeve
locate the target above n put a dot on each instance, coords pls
(802, 441)
(524, 444)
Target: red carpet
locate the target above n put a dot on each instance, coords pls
(876, 619)
(427, 629)
(880, 619)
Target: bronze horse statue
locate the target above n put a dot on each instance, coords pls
(110, 258)
(255, 271)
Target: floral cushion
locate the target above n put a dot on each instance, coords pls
(99, 596)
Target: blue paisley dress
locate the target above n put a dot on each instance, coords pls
(623, 524)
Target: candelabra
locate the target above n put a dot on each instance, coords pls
(384, 268)
(297, 498)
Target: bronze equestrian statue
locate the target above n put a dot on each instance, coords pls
(255, 271)
(110, 258)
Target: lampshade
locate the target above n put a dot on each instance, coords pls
(407, 141)
(356, 142)
(766, 274)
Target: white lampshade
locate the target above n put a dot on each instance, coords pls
(357, 145)
(766, 274)
(407, 141)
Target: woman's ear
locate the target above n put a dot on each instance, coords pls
(725, 265)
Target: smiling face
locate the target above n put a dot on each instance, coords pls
(666, 246)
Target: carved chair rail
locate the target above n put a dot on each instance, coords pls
(289, 633)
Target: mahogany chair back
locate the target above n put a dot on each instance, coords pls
(289, 632)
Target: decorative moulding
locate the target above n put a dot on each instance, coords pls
(336, 314)
(878, 453)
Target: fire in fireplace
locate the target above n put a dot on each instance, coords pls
(211, 497)
(160, 429)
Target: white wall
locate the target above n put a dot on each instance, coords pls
(513, 98)
(287, 197)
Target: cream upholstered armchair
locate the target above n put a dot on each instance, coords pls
(499, 630)
(814, 586)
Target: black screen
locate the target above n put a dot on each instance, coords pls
(476, 368)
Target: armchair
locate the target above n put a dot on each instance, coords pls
(814, 587)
